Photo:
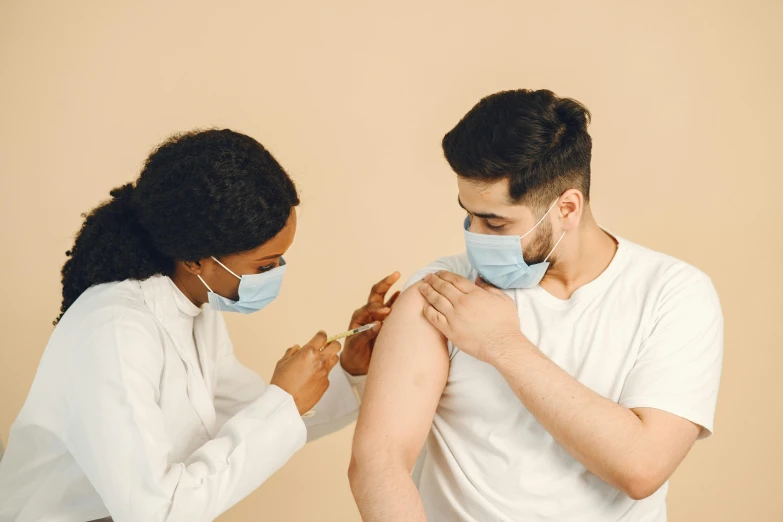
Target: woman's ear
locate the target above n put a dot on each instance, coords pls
(194, 267)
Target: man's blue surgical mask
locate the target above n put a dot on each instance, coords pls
(499, 260)
(255, 290)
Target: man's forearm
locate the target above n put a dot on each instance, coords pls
(385, 492)
(633, 450)
(608, 439)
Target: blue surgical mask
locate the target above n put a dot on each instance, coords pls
(499, 259)
(255, 290)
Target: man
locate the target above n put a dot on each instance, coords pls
(553, 372)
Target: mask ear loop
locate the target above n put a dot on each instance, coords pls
(204, 283)
(227, 268)
(539, 221)
(554, 247)
(224, 266)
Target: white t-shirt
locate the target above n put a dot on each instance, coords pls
(648, 332)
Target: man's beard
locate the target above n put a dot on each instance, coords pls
(541, 246)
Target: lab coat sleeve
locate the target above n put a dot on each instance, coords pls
(118, 435)
(237, 386)
(358, 383)
(338, 407)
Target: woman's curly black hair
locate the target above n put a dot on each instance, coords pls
(200, 194)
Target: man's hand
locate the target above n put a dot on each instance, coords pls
(355, 358)
(634, 450)
(478, 318)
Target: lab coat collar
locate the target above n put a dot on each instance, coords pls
(158, 293)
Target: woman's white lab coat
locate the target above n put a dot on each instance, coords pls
(140, 410)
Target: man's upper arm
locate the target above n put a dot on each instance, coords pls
(407, 375)
(679, 365)
(673, 386)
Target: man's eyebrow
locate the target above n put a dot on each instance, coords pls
(485, 216)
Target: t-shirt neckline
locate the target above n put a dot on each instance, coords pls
(593, 288)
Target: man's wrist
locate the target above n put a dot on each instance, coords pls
(508, 348)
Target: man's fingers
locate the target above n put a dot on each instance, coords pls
(379, 289)
(481, 283)
(443, 287)
(440, 303)
(437, 319)
(463, 285)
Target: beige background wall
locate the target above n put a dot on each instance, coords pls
(353, 99)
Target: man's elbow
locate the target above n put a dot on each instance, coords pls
(373, 463)
(642, 482)
(363, 460)
(363, 464)
(353, 473)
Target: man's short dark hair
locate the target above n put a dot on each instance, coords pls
(535, 139)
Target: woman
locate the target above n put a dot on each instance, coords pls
(139, 409)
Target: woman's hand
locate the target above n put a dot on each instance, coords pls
(304, 372)
(355, 358)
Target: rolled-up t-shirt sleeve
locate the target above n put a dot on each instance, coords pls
(456, 264)
(679, 363)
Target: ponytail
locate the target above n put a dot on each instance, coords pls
(111, 246)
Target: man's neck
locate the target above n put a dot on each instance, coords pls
(581, 259)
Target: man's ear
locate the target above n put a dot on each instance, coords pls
(570, 209)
